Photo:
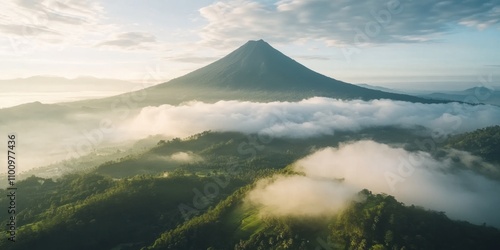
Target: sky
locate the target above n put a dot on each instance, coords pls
(395, 43)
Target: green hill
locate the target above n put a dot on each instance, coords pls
(483, 142)
(146, 201)
(377, 222)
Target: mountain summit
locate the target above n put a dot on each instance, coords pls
(255, 66)
(256, 72)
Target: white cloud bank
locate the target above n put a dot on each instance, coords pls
(312, 117)
(412, 177)
(83, 132)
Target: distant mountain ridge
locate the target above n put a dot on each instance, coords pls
(472, 95)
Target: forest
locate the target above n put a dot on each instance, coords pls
(150, 200)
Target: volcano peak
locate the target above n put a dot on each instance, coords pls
(256, 46)
(257, 67)
(259, 42)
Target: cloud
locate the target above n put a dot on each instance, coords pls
(300, 196)
(412, 177)
(185, 157)
(312, 117)
(342, 22)
(34, 23)
(177, 159)
(83, 131)
(129, 41)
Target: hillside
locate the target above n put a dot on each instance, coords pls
(95, 212)
(210, 152)
(483, 142)
(159, 199)
(376, 222)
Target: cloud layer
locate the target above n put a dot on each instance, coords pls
(81, 132)
(412, 177)
(343, 22)
(29, 22)
(31, 25)
(312, 117)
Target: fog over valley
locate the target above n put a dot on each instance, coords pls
(83, 131)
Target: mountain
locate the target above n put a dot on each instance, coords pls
(254, 72)
(368, 86)
(471, 95)
(258, 66)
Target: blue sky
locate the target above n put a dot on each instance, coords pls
(396, 43)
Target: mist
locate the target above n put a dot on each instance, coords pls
(310, 117)
(11, 99)
(51, 89)
(57, 132)
(333, 176)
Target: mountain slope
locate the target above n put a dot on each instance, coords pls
(131, 203)
(256, 66)
(483, 142)
(377, 221)
(254, 72)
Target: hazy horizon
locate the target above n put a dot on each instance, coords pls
(61, 89)
(353, 42)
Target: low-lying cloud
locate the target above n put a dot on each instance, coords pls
(311, 117)
(334, 175)
(185, 157)
(301, 196)
(83, 131)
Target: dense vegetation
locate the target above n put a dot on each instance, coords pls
(152, 200)
(376, 222)
(94, 212)
(483, 142)
(214, 151)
